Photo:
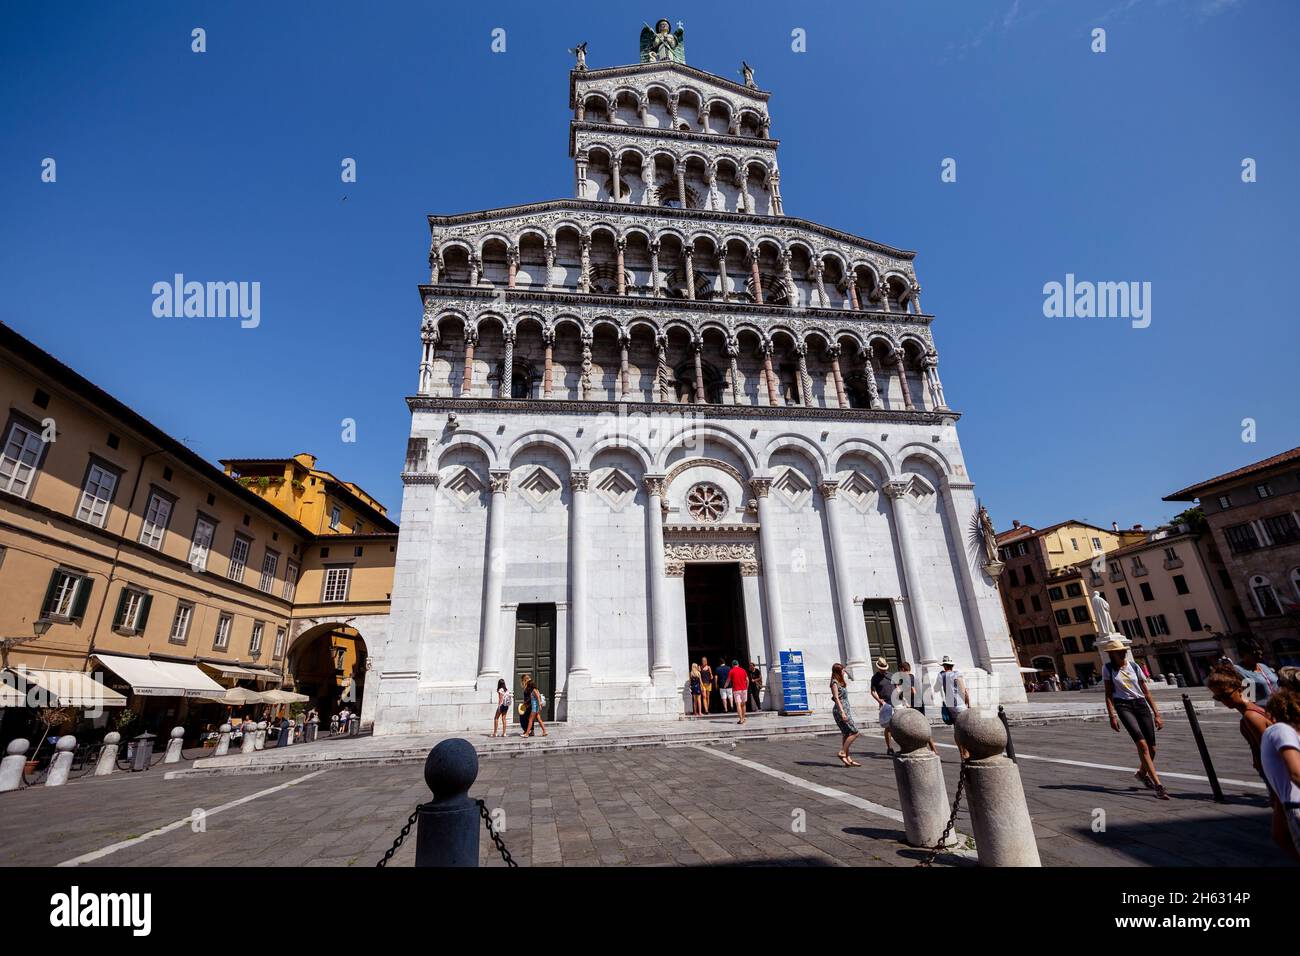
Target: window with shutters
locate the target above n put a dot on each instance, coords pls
(222, 640)
(290, 581)
(269, 564)
(201, 544)
(132, 611)
(279, 643)
(67, 596)
(19, 459)
(255, 642)
(238, 558)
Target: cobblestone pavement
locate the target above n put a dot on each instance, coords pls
(664, 805)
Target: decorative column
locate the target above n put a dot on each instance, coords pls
(818, 272)
(840, 397)
(681, 183)
(548, 339)
(512, 266)
(764, 126)
(673, 103)
(767, 548)
(756, 276)
(775, 180)
(616, 179)
(475, 269)
(733, 353)
(852, 626)
(854, 302)
(624, 338)
(930, 368)
(805, 380)
(661, 367)
(661, 666)
(506, 385)
(896, 490)
(746, 201)
(704, 118)
(584, 278)
(489, 668)
(620, 280)
(773, 396)
(882, 293)
(428, 342)
(900, 358)
(697, 346)
(582, 111)
(788, 278)
(578, 596)
(688, 256)
(435, 267)
(722, 274)
(580, 176)
(467, 381)
(873, 390)
(550, 264)
(654, 268)
(915, 297)
(584, 380)
(715, 197)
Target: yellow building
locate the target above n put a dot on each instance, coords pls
(317, 500)
(127, 556)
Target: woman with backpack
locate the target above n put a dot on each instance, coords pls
(504, 699)
(1129, 702)
(535, 701)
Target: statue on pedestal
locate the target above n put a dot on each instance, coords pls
(580, 51)
(661, 46)
(1101, 610)
(748, 72)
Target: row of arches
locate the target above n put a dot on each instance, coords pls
(531, 358)
(667, 263)
(684, 109)
(688, 180)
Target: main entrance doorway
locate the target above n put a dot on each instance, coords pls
(882, 639)
(535, 653)
(715, 618)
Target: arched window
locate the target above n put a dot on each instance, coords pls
(685, 381)
(855, 386)
(1265, 597)
(521, 381)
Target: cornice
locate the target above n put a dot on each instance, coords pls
(707, 412)
(609, 209)
(635, 69)
(647, 132)
(648, 304)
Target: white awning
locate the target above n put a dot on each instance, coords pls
(68, 689)
(150, 678)
(230, 670)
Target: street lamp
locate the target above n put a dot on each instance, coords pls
(39, 627)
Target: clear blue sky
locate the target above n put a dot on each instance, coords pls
(1116, 166)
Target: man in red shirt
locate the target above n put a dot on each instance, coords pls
(738, 681)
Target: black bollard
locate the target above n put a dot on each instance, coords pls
(447, 828)
(1011, 748)
(1205, 751)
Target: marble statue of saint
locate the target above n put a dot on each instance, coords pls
(1101, 609)
(988, 537)
(580, 51)
(748, 71)
(662, 46)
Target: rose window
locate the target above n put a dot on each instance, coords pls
(706, 502)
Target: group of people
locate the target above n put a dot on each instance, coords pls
(889, 694)
(739, 688)
(530, 707)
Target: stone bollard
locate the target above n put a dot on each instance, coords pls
(448, 827)
(223, 741)
(919, 773)
(249, 740)
(108, 754)
(175, 745)
(11, 767)
(259, 737)
(62, 761)
(999, 815)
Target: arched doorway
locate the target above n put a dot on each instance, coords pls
(328, 664)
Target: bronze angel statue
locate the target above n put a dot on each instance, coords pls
(661, 46)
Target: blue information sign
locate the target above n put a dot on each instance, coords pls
(794, 689)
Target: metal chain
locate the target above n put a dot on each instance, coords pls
(496, 837)
(952, 819)
(406, 831)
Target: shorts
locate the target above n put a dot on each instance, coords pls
(886, 712)
(708, 689)
(503, 709)
(727, 694)
(1138, 720)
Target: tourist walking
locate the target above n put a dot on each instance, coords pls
(1263, 678)
(738, 683)
(502, 714)
(882, 692)
(706, 681)
(755, 687)
(697, 688)
(843, 715)
(522, 707)
(1225, 685)
(1279, 753)
(334, 725)
(724, 689)
(536, 701)
(954, 696)
(1129, 702)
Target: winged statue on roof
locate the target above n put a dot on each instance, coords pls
(659, 45)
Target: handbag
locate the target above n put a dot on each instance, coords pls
(946, 714)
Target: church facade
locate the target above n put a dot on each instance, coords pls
(663, 421)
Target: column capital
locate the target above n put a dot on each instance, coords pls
(500, 481)
(896, 487)
(834, 351)
(829, 489)
(654, 485)
(760, 486)
(578, 480)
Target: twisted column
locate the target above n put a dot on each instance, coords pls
(900, 357)
(688, 255)
(805, 380)
(548, 340)
(757, 277)
(840, 397)
(697, 347)
(620, 279)
(773, 396)
(505, 386)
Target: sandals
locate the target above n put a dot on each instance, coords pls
(844, 759)
(1142, 778)
(1162, 793)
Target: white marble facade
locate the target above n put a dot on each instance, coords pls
(598, 411)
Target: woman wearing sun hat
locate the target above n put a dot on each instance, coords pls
(882, 692)
(1129, 702)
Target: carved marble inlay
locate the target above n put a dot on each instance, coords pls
(678, 554)
(706, 502)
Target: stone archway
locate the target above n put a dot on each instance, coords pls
(328, 663)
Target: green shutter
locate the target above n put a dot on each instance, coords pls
(143, 619)
(49, 593)
(82, 597)
(118, 615)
